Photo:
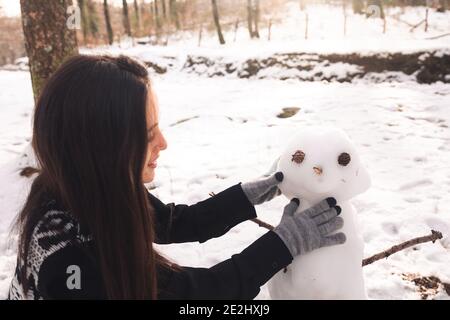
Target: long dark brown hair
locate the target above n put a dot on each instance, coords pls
(90, 140)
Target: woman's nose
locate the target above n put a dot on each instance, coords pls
(163, 143)
(318, 170)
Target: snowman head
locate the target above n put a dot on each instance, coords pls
(322, 162)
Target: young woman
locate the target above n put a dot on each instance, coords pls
(88, 226)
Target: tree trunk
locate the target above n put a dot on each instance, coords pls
(157, 18)
(358, 6)
(344, 11)
(302, 5)
(163, 2)
(216, 21)
(49, 38)
(306, 25)
(84, 22)
(250, 18)
(137, 16)
(256, 18)
(442, 6)
(92, 19)
(174, 13)
(126, 18)
(109, 30)
(379, 4)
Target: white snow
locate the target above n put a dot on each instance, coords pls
(230, 134)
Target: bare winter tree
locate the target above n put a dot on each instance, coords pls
(215, 11)
(109, 29)
(84, 22)
(11, 39)
(137, 16)
(252, 18)
(157, 17)
(303, 5)
(89, 19)
(92, 19)
(49, 38)
(358, 6)
(163, 2)
(126, 18)
(379, 4)
(256, 18)
(443, 5)
(174, 13)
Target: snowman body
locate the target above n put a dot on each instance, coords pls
(331, 272)
(328, 273)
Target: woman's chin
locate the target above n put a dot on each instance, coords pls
(149, 175)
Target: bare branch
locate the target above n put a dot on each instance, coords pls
(435, 235)
(262, 224)
(437, 37)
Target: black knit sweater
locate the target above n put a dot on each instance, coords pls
(57, 243)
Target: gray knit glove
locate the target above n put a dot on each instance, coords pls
(305, 231)
(263, 190)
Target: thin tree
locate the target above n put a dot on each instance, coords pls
(250, 18)
(157, 18)
(302, 5)
(137, 16)
(84, 21)
(163, 2)
(109, 29)
(377, 4)
(92, 18)
(256, 18)
(126, 18)
(253, 18)
(358, 6)
(50, 38)
(174, 13)
(215, 11)
(344, 11)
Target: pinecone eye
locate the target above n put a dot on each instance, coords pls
(344, 159)
(298, 156)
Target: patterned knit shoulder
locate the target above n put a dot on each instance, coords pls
(55, 231)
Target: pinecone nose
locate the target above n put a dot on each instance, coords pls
(318, 170)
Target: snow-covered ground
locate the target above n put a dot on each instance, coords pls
(225, 130)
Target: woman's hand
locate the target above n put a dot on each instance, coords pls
(311, 229)
(263, 190)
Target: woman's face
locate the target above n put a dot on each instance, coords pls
(156, 140)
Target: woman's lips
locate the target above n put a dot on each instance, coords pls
(153, 164)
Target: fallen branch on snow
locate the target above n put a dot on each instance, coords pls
(439, 36)
(262, 224)
(435, 235)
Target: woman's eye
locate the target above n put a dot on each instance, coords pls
(344, 159)
(298, 156)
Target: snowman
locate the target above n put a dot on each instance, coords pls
(319, 163)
